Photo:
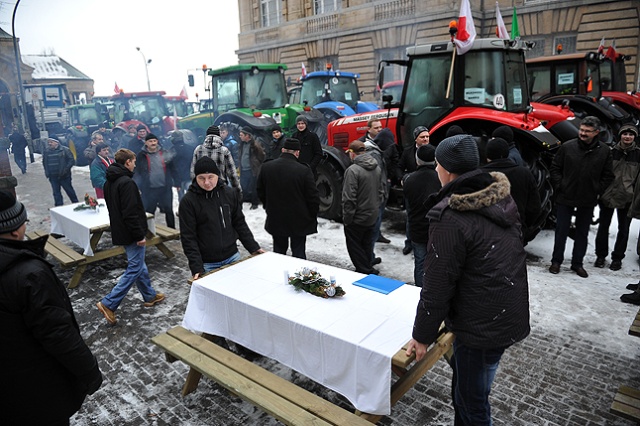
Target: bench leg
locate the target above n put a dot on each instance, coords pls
(77, 276)
(191, 384)
(165, 250)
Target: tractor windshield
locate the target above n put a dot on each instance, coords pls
(179, 108)
(147, 109)
(564, 78)
(327, 88)
(86, 116)
(257, 89)
(613, 76)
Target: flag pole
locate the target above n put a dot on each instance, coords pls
(453, 29)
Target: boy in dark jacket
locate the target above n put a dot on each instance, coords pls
(211, 221)
(475, 276)
(129, 229)
(48, 368)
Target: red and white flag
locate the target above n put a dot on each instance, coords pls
(611, 51)
(601, 46)
(183, 92)
(116, 89)
(501, 29)
(304, 70)
(466, 29)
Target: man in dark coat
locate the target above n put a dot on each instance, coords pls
(581, 171)
(289, 194)
(524, 190)
(211, 221)
(57, 161)
(418, 186)
(129, 229)
(273, 148)
(136, 143)
(181, 168)
(48, 369)
(18, 145)
(251, 157)
(310, 148)
(475, 276)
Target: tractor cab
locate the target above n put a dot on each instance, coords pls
(148, 108)
(613, 78)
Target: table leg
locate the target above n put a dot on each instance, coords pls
(193, 378)
(165, 250)
(77, 276)
(95, 239)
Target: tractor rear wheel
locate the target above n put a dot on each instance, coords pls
(329, 184)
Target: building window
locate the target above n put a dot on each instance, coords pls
(537, 50)
(320, 64)
(270, 10)
(568, 43)
(325, 6)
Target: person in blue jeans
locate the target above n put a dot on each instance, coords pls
(128, 228)
(57, 161)
(475, 276)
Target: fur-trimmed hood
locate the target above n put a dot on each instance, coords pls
(483, 193)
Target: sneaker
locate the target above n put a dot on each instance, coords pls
(632, 286)
(633, 298)
(579, 270)
(407, 249)
(159, 298)
(108, 313)
(616, 265)
(599, 263)
(554, 268)
(382, 239)
(376, 261)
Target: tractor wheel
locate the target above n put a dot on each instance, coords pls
(546, 219)
(329, 183)
(320, 129)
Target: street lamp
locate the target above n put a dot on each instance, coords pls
(146, 67)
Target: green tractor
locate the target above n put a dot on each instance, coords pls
(252, 95)
(85, 119)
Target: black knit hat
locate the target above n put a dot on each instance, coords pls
(276, 127)
(213, 130)
(247, 130)
(503, 132)
(497, 148)
(628, 128)
(292, 144)
(418, 130)
(302, 118)
(425, 154)
(458, 154)
(141, 127)
(150, 136)
(205, 165)
(454, 130)
(12, 213)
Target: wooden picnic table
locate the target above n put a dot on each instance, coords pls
(626, 403)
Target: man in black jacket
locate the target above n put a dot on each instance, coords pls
(57, 161)
(475, 276)
(289, 194)
(211, 221)
(310, 148)
(581, 171)
(48, 369)
(129, 229)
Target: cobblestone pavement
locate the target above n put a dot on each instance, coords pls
(551, 378)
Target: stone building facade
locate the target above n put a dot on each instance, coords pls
(354, 35)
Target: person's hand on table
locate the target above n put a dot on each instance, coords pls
(142, 242)
(259, 251)
(196, 276)
(420, 348)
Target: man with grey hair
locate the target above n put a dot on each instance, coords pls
(581, 171)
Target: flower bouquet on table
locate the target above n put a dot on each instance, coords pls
(89, 203)
(312, 282)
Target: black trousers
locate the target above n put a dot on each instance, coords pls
(298, 245)
(359, 246)
(163, 198)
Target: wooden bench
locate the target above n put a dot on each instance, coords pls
(280, 398)
(634, 330)
(65, 255)
(626, 403)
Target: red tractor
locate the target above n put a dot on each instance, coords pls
(613, 78)
(148, 108)
(479, 91)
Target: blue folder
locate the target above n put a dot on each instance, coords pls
(380, 284)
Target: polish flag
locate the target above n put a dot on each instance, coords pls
(466, 29)
(611, 51)
(304, 70)
(501, 29)
(601, 46)
(183, 92)
(116, 89)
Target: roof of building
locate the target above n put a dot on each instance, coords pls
(4, 34)
(52, 67)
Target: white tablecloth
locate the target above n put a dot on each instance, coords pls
(77, 225)
(345, 344)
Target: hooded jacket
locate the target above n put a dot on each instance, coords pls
(362, 192)
(626, 166)
(214, 148)
(126, 211)
(211, 223)
(475, 270)
(47, 367)
(310, 148)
